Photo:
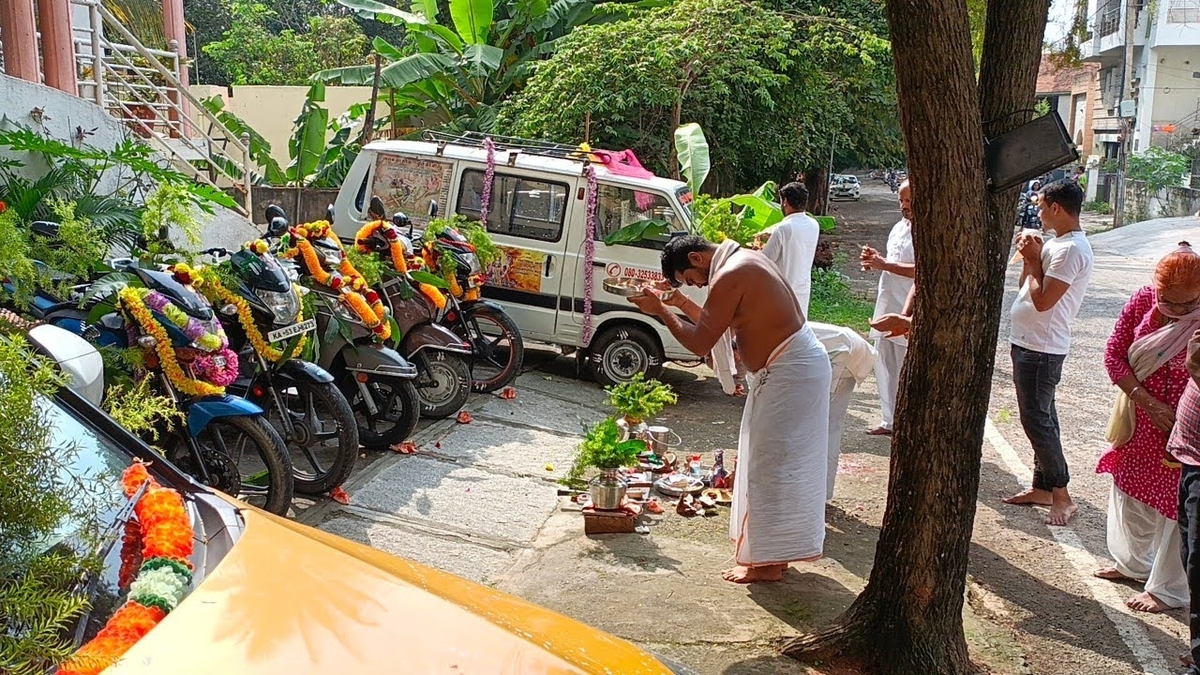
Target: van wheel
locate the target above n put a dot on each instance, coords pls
(620, 352)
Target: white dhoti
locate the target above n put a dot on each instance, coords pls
(778, 512)
(890, 359)
(1145, 545)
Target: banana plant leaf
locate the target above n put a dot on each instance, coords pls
(104, 291)
(308, 135)
(691, 147)
(635, 232)
(472, 19)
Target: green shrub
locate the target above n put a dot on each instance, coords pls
(834, 302)
(1097, 206)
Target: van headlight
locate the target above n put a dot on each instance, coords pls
(284, 305)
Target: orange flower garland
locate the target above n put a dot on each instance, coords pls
(355, 291)
(394, 246)
(161, 583)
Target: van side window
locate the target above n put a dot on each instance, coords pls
(619, 206)
(360, 200)
(521, 206)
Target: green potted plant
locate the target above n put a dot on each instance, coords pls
(638, 400)
(604, 449)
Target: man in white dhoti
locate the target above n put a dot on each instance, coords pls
(852, 359)
(792, 243)
(778, 513)
(897, 269)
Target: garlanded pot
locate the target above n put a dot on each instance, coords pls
(607, 490)
(632, 427)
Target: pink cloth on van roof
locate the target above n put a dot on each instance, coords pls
(625, 163)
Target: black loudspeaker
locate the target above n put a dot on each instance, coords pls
(1028, 151)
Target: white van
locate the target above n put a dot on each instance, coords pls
(537, 216)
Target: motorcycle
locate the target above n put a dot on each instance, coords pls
(225, 442)
(264, 320)
(379, 383)
(441, 356)
(497, 350)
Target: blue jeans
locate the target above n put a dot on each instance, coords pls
(1036, 375)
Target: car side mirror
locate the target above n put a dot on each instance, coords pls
(433, 208)
(329, 213)
(277, 227)
(376, 210)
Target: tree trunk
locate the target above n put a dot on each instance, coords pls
(817, 182)
(908, 620)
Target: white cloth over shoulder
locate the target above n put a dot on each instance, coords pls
(722, 352)
(893, 288)
(778, 512)
(792, 247)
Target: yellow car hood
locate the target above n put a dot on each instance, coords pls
(293, 600)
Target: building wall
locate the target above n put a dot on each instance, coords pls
(1170, 83)
(270, 110)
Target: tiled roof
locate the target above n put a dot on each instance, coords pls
(1052, 79)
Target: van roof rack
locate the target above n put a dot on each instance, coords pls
(528, 146)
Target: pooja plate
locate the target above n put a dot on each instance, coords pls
(677, 484)
(626, 288)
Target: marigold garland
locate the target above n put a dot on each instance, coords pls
(395, 247)
(355, 291)
(133, 301)
(210, 285)
(162, 581)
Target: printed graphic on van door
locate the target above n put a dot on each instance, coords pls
(518, 269)
(409, 184)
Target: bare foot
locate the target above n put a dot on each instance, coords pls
(739, 389)
(1111, 574)
(1186, 659)
(1061, 514)
(879, 431)
(1032, 496)
(748, 575)
(1146, 602)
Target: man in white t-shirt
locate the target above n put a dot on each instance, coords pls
(897, 269)
(793, 242)
(1053, 282)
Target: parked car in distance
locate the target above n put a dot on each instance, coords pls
(272, 596)
(844, 186)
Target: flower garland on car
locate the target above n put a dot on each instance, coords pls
(141, 303)
(162, 581)
(355, 291)
(589, 253)
(210, 286)
(489, 176)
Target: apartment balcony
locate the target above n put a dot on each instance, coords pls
(1108, 35)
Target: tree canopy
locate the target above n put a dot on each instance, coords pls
(774, 90)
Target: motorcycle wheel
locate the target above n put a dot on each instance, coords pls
(244, 457)
(443, 385)
(397, 403)
(496, 342)
(324, 445)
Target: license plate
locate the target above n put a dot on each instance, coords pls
(292, 330)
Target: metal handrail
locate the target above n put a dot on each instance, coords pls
(172, 96)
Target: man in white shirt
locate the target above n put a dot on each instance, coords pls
(1053, 282)
(793, 242)
(897, 269)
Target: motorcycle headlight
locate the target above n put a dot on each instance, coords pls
(473, 261)
(344, 313)
(285, 306)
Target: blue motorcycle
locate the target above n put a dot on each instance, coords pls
(225, 441)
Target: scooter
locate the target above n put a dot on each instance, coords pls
(264, 320)
(441, 356)
(497, 349)
(225, 443)
(379, 383)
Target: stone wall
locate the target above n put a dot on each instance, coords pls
(1141, 204)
